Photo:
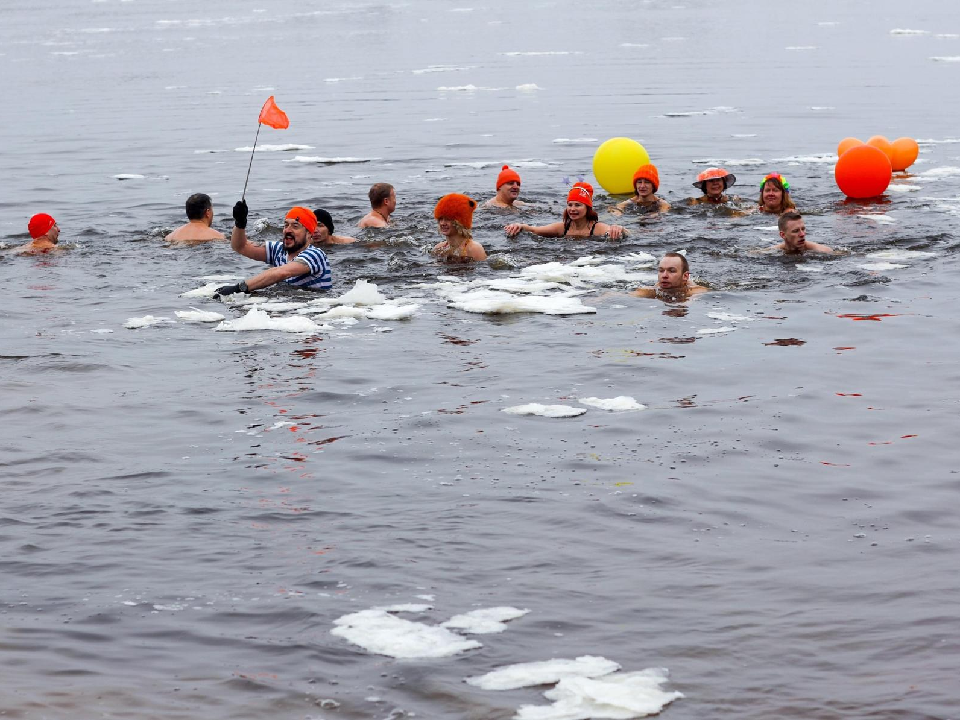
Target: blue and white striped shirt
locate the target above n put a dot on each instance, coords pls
(318, 276)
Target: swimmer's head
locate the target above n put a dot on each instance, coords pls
(649, 173)
(673, 273)
(507, 175)
(793, 231)
(706, 181)
(197, 206)
(582, 193)
(456, 208)
(775, 194)
(324, 225)
(383, 195)
(41, 224)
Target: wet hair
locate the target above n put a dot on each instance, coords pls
(591, 215)
(197, 206)
(788, 217)
(785, 202)
(379, 192)
(684, 265)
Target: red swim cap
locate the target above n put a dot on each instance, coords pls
(304, 217)
(40, 225)
(456, 207)
(507, 175)
(581, 192)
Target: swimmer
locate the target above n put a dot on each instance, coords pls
(580, 220)
(383, 201)
(794, 234)
(508, 190)
(323, 235)
(45, 234)
(454, 214)
(294, 260)
(713, 183)
(646, 182)
(200, 215)
(775, 195)
(673, 281)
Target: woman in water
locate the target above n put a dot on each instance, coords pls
(580, 220)
(646, 182)
(713, 183)
(454, 215)
(775, 195)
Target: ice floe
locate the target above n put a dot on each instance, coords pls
(550, 411)
(484, 621)
(907, 31)
(199, 316)
(544, 672)
(129, 176)
(380, 632)
(497, 302)
(321, 160)
(946, 59)
(882, 266)
(900, 255)
(135, 323)
(715, 331)
(257, 319)
(288, 147)
(621, 403)
(878, 218)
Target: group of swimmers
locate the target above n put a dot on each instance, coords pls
(299, 260)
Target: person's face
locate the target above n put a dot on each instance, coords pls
(644, 187)
(510, 190)
(54, 233)
(670, 275)
(795, 236)
(445, 226)
(321, 234)
(392, 201)
(771, 194)
(576, 210)
(295, 235)
(714, 187)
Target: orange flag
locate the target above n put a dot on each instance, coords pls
(273, 116)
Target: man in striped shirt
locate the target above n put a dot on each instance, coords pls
(294, 260)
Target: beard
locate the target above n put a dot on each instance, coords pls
(292, 245)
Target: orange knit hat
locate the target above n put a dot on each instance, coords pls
(581, 192)
(456, 207)
(507, 175)
(647, 172)
(40, 224)
(304, 217)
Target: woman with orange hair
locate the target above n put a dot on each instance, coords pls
(454, 215)
(580, 220)
(775, 195)
(646, 182)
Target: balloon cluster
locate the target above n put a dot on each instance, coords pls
(864, 169)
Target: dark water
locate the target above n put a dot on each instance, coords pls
(186, 512)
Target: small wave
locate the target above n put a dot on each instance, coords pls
(575, 141)
(800, 47)
(634, 45)
(275, 148)
(941, 172)
(535, 53)
(907, 31)
(528, 87)
(946, 59)
(442, 68)
(329, 160)
(745, 162)
(129, 176)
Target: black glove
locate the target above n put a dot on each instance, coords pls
(240, 211)
(231, 289)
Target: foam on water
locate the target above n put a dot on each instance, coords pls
(199, 316)
(257, 319)
(900, 255)
(378, 631)
(621, 403)
(550, 411)
(618, 697)
(485, 620)
(544, 672)
(288, 147)
(146, 321)
(882, 266)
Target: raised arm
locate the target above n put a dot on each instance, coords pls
(238, 238)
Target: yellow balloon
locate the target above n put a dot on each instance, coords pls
(615, 162)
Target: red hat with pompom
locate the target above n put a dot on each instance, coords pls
(506, 175)
(456, 206)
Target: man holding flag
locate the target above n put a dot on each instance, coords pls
(294, 260)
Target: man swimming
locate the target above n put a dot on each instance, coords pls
(323, 235)
(44, 234)
(673, 281)
(508, 190)
(794, 234)
(295, 261)
(200, 216)
(383, 202)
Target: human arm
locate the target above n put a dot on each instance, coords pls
(616, 232)
(475, 251)
(238, 238)
(551, 230)
(645, 292)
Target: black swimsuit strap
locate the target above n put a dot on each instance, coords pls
(566, 227)
(592, 227)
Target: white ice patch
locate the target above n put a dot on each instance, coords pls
(392, 312)
(907, 31)
(484, 621)
(146, 321)
(618, 697)
(577, 274)
(199, 316)
(900, 255)
(621, 403)
(496, 302)
(319, 159)
(878, 218)
(206, 291)
(941, 172)
(379, 632)
(257, 319)
(550, 411)
(901, 188)
(946, 58)
(289, 147)
(521, 285)
(529, 87)
(807, 268)
(728, 317)
(279, 305)
(129, 176)
(441, 68)
(744, 162)
(362, 293)
(715, 331)
(882, 266)
(545, 672)
(575, 141)
(822, 158)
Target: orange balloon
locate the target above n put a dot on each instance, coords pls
(863, 172)
(848, 143)
(905, 151)
(881, 143)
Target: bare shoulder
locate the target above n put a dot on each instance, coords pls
(697, 289)
(645, 292)
(371, 220)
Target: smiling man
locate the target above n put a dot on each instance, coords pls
(508, 190)
(294, 260)
(794, 234)
(673, 281)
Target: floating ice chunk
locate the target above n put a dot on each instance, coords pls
(559, 272)
(484, 621)
(714, 331)
(199, 316)
(728, 317)
(529, 87)
(941, 172)
(621, 403)
(220, 278)
(129, 176)
(550, 411)
(902, 188)
(390, 311)
(362, 293)
(521, 285)
(501, 303)
(639, 258)
(289, 147)
(807, 268)
(618, 697)
(321, 160)
(379, 632)
(206, 291)
(878, 218)
(257, 319)
(895, 255)
(587, 260)
(546, 672)
(907, 31)
(440, 68)
(146, 321)
(344, 311)
(947, 58)
(102, 331)
(882, 266)
(575, 141)
(280, 306)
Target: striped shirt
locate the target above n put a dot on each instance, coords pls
(317, 277)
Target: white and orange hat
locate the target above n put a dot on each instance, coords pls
(729, 179)
(581, 192)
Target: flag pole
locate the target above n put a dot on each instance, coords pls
(244, 195)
